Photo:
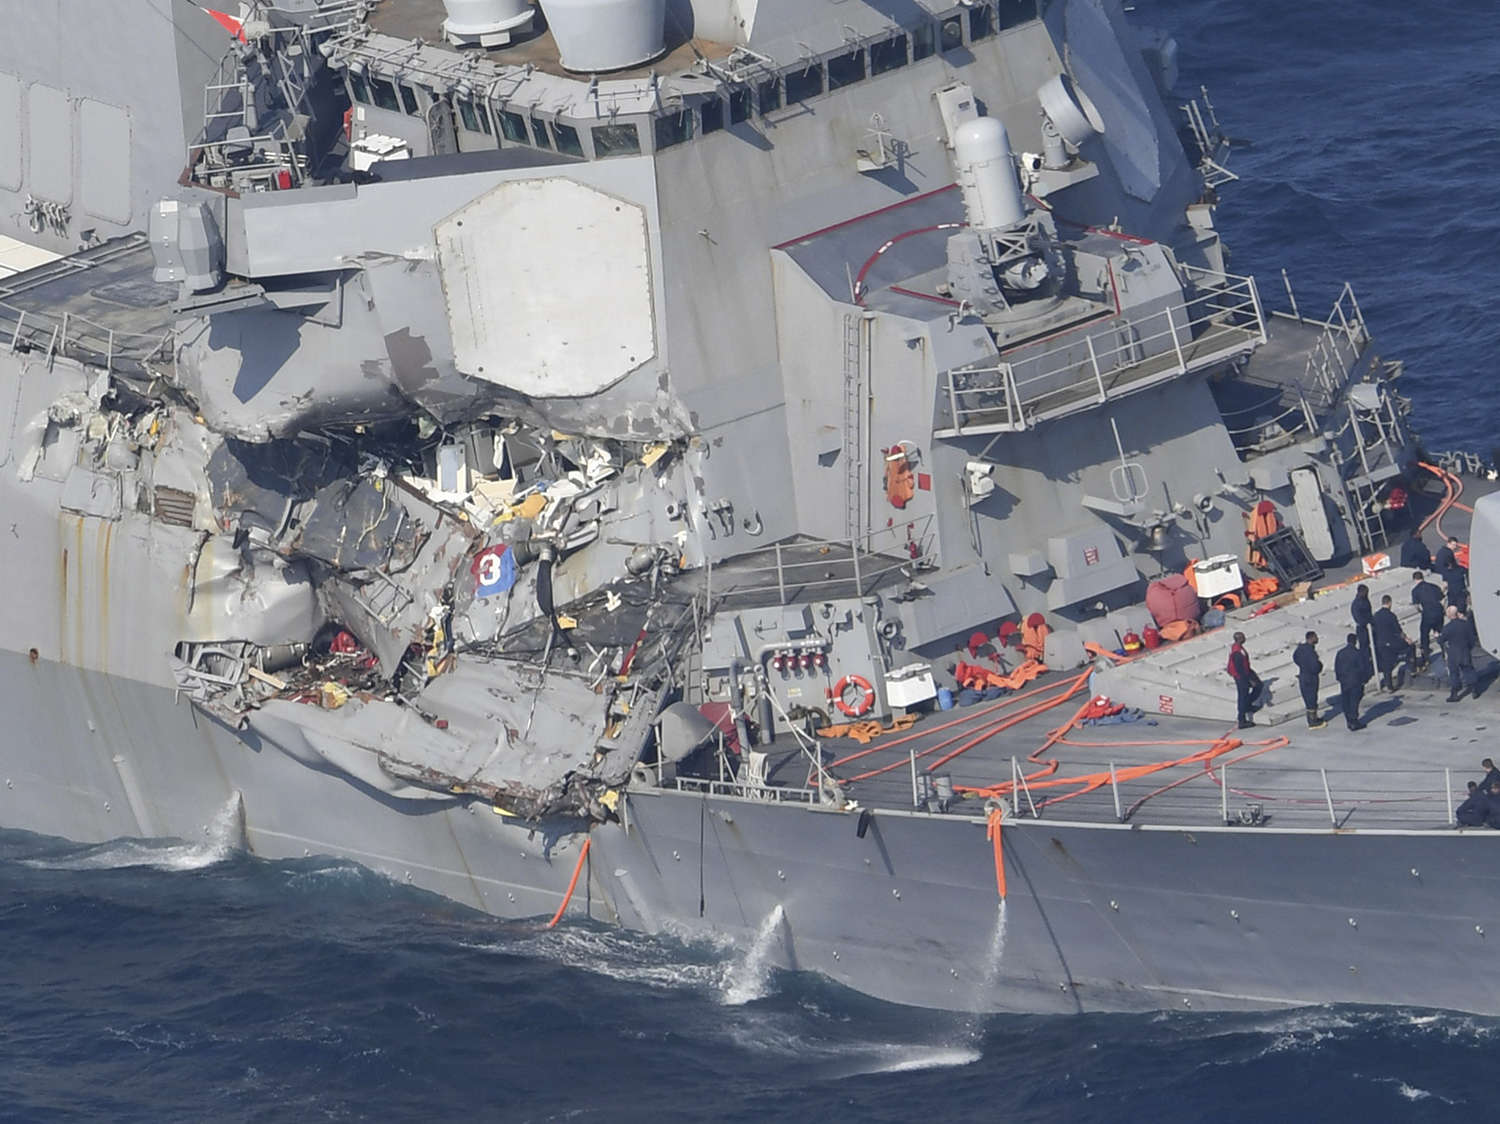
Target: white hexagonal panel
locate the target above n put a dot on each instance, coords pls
(548, 286)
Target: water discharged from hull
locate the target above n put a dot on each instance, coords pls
(991, 974)
(746, 979)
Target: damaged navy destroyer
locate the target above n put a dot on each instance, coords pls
(782, 470)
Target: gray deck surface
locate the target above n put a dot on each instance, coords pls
(1406, 770)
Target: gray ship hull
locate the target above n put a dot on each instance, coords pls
(1098, 917)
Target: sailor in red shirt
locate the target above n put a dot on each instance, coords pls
(1246, 683)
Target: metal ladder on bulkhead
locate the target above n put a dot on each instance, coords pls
(853, 449)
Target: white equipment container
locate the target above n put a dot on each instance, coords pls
(599, 35)
(987, 174)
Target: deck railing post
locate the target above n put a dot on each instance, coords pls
(1094, 362)
(1328, 796)
(780, 576)
(1176, 343)
(913, 753)
(1114, 784)
(958, 422)
(1448, 796)
(1260, 315)
(1224, 792)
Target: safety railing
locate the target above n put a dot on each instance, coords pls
(1338, 348)
(803, 569)
(746, 791)
(82, 340)
(1256, 793)
(1090, 365)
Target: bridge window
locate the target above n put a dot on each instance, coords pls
(951, 33)
(408, 99)
(923, 42)
(539, 133)
(358, 91)
(1013, 12)
(513, 127)
(484, 119)
(845, 70)
(467, 115)
(981, 23)
(673, 128)
(804, 84)
(768, 96)
(384, 94)
(888, 55)
(739, 105)
(568, 141)
(711, 115)
(616, 140)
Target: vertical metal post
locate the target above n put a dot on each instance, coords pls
(913, 752)
(780, 576)
(1176, 343)
(1290, 296)
(1448, 793)
(1328, 796)
(1260, 316)
(1094, 361)
(1015, 772)
(958, 422)
(1115, 785)
(15, 337)
(109, 355)
(854, 553)
(1224, 791)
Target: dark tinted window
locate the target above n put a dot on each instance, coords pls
(616, 140)
(711, 114)
(951, 33)
(539, 133)
(845, 70)
(513, 127)
(923, 41)
(567, 139)
(739, 106)
(408, 98)
(674, 128)
(467, 115)
(483, 113)
(804, 84)
(357, 88)
(888, 55)
(383, 94)
(768, 95)
(981, 23)
(1013, 12)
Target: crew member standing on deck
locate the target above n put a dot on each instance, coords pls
(1458, 642)
(1457, 581)
(1414, 552)
(1446, 557)
(1246, 682)
(1309, 668)
(1352, 670)
(1363, 613)
(1430, 599)
(1391, 643)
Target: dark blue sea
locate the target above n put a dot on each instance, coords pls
(168, 982)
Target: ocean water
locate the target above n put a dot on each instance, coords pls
(175, 982)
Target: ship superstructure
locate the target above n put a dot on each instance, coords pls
(497, 440)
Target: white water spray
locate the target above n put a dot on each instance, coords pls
(991, 975)
(748, 979)
(222, 836)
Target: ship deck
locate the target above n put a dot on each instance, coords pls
(1407, 770)
(99, 306)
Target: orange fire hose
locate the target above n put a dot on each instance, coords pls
(583, 854)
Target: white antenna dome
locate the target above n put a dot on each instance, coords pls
(987, 174)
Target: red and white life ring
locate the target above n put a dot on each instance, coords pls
(866, 697)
